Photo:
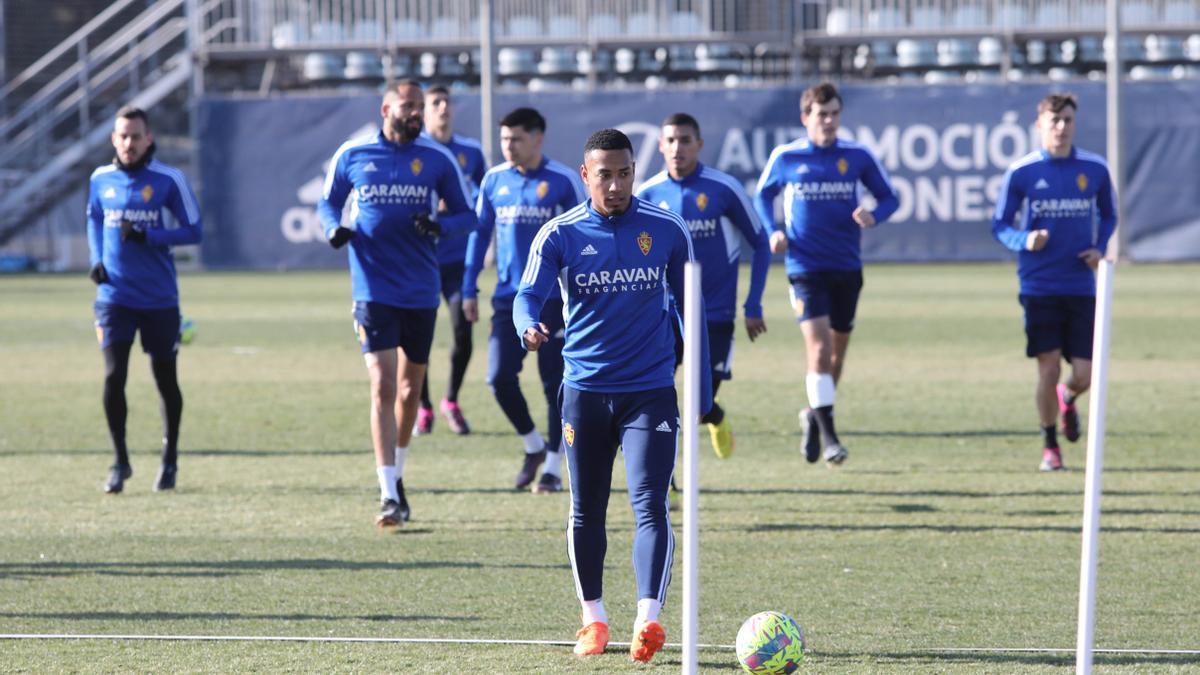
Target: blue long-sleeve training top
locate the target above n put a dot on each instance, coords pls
(614, 274)
(469, 155)
(1072, 198)
(719, 215)
(820, 192)
(516, 205)
(390, 262)
(141, 275)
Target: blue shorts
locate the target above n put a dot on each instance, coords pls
(720, 347)
(159, 328)
(452, 278)
(831, 294)
(1061, 322)
(379, 326)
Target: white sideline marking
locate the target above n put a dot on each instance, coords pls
(288, 638)
(1070, 650)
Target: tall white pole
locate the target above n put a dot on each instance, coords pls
(691, 466)
(1095, 467)
(1112, 106)
(487, 61)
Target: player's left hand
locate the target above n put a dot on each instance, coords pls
(130, 232)
(1092, 257)
(426, 226)
(864, 217)
(755, 327)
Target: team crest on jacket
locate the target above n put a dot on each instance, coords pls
(645, 242)
(542, 188)
(462, 160)
(416, 167)
(843, 166)
(1081, 181)
(569, 434)
(702, 201)
(147, 193)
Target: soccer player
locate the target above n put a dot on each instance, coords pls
(1068, 213)
(129, 248)
(451, 251)
(397, 177)
(516, 198)
(614, 259)
(719, 216)
(822, 236)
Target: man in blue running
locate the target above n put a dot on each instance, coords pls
(819, 177)
(614, 260)
(129, 247)
(397, 178)
(451, 252)
(1068, 213)
(516, 198)
(719, 216)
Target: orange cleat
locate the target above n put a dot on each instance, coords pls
(593, 638)
(648, 638)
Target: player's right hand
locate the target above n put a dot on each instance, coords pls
(470, 309)
(535, 336)
(426, 226)
(340, 236)
(98, 274)
(778, 241)
(1036, 240)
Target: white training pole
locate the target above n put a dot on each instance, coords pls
(688, 422)
(1095, 466)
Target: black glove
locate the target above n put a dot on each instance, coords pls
(129, 232)
(340, 236)
(98, 274)
(426, 226)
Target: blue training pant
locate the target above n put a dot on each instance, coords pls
(645, 425)
(505, 358)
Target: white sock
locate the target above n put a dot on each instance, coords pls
(533, 442)
(387, 482)
(401, 458)
(553, 465)
(821, 389)
(648, 609)
(593, 611)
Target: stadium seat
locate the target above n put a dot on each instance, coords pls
(588, 62)
(326, 33)
(969, 16)
(717, 58)
(641, 23)
(884, 19)
(363, 66)
(840, 21)
(927, 18)
(1136, 13)
(624, 60)
(367, 31)
(991, 51)
(954, 52)
(398, 66)
(556, 61)
(524, 27)
(406, 30)
(604, 25)
(1140, 72)
(1060, 74)
(650, 61)
(1182, 72)
(1091, 50)
(1092, 15)
(514, 62)
(1163, 48)
(427, 64)
(320, 67)
(883, 53)
(288, 34)
(681, 59)
(1051, 15)
(1131, 47)
(685, 23)
(563, 27)
(1008, 15)
(1035, 52)
(445, 28)
(1191, 47)
(941, 77)
(914, 53)
(1177, 12)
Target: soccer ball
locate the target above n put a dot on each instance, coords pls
(187, 330)
(770, 643)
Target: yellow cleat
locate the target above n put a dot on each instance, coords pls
(722, 438)
(593, 638)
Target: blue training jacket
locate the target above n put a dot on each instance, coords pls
(469, 155)
(615, 275)
(1072, 197)
(392, 182)
(141, 275)
(820, 192)
(516, 205)
(718, 214)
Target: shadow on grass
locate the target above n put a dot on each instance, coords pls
(958, 529)
(956, 494)
(1057, 658)
(223, 616)
(224, 568)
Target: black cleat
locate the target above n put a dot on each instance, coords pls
(835, 454)
(405, 511)
(117, 475)
(1070, 416)
(548, 484)
(812, 435)
(389, 514)
(166, 477)
(529, 469)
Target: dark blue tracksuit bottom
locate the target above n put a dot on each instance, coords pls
(505, 358)
(645, 425)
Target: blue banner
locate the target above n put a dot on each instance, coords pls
(945, 148)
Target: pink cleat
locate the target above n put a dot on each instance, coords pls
(454, 417)
(424, 425)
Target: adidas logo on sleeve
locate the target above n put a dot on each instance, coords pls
(589, 250)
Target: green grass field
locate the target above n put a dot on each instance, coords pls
(938, 533)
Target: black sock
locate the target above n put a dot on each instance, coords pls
(460, 350)
(1049, 437)
(714, 416)
(171, 406)
(425, 402)
(824, 416)
(116, 369)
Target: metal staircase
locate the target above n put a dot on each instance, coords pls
(54, 130)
